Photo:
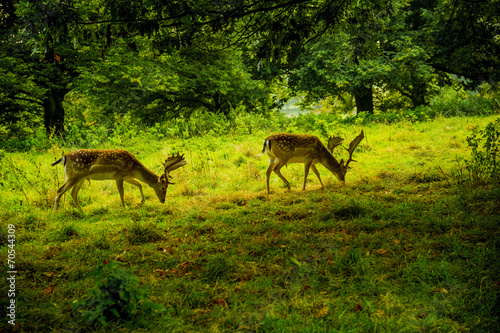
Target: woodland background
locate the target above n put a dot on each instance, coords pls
(68, 66)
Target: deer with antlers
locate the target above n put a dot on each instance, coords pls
(113, 164)
(283, 148)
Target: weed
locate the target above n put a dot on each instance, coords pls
(141, 233)
(116, 297)
(484, 164)
(66, 233)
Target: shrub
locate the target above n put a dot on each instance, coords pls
(484, 164)
(116, 297)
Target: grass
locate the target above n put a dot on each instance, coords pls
(401, 247)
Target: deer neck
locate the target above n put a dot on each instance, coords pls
(330, 162)
(147, 176)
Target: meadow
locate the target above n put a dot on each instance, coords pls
(408, 244)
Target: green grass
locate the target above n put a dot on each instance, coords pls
(401, 247)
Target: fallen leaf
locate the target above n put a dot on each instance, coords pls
(440, 290)
(379, 313)
(357, 308)
(49, 289)
(306, 287)
(220, 302)
(322, 312)
(381, 251)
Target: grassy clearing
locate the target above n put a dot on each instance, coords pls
(400, 247)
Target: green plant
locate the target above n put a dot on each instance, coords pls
(116, 297)
(484, 164)
(140, 233)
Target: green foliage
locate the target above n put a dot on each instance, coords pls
(484, 164)
(117, 296)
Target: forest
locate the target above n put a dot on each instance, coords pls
(410, 242)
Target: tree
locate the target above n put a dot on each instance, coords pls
(155, 86)
(35, 79)
(348, 60)
(388, 45)
(57, 31)
(462, 36)
(19, 94)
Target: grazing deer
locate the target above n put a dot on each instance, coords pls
(286, 148)
(116, 164)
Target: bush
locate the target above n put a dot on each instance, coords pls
(484, 164)
(116, 297)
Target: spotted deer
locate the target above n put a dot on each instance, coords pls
(112, 164)
(283, 148)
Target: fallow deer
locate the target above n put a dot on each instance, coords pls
(112, 164)
(283, 148)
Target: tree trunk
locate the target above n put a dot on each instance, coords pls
(54, 111)
(364, 99)
(219, 104)
(418, 94)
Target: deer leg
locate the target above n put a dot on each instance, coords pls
(277, 170)
(119, 185)
(74, 192)
(67, 186)
(272, 163)
(307, 165)
(315, 170)
(136, 183)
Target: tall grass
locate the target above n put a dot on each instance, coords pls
(402, 246)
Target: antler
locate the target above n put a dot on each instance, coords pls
(333, 142)
(172, 163)
(352, 147)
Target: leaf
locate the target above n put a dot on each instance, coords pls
(123, 295)
(322, 312)
(102, 320)
(306, 287)
(440, 290)
(294, 260)
(115, 312)
(220, 301)
(381, 251)
(357, 308)
(49, 289)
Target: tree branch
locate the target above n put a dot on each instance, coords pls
(232, 16)
(27, 100)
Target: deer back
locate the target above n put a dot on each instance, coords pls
(86, 161)
(295, 147)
